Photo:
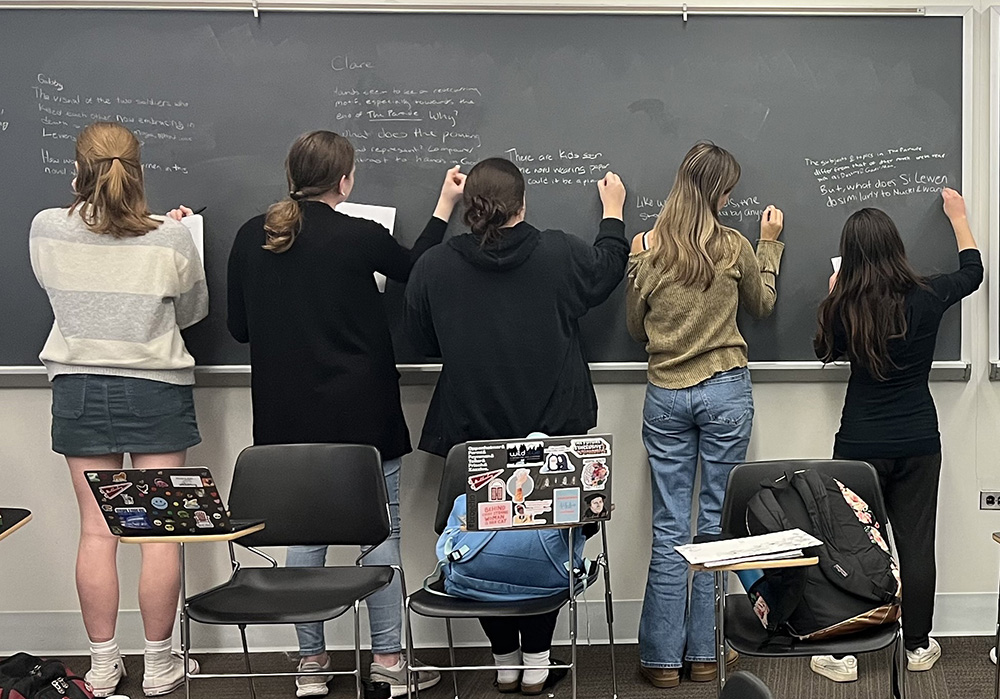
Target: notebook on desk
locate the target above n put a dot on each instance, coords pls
(538, 482)
(164, 502)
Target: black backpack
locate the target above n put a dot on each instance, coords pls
(856, 584)
(24, 676)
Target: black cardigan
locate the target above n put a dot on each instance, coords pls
(504, 320)
(320, 349)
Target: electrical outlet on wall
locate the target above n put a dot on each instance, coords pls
(989, 499)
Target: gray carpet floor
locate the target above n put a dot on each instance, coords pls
(964, 672)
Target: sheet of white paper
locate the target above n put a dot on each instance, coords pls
(835, 261)
(747, 547)
(386, 215)
(196, 224)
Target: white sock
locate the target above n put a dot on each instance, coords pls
(512, 658)
(157, 659)
(540, 660)
(103, 656)
(398, 666)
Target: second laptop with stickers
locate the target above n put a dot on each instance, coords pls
(538, 482)
(164, 502)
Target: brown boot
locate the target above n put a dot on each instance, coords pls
(663, 677)
(707, 672)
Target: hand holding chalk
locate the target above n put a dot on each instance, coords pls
(772, 221)
(452, 190)
(612, 191)
(954, 204)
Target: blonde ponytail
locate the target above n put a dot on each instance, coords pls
(282, 224)
(109, 187)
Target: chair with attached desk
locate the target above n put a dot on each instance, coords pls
(12, 519)
(307, 494)
(440, 606)
(736, 622)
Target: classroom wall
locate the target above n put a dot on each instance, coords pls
(38, 606)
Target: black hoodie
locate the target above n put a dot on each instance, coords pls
(504, 320)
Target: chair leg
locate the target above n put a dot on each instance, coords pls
(572, 613)
(408, 623)
(720, 631)
(357, 648)
(898, 686)
(451, 655)
(246, 660)
(609, 612)
(186, 627)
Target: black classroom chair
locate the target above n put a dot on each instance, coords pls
(308, 494)
(744, 685)
(743, 630)
(439, 606)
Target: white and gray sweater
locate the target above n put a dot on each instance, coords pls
(119, 303)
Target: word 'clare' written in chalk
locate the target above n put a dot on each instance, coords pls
(559, 167)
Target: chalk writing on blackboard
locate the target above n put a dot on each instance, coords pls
(867, 177)
(65, 111)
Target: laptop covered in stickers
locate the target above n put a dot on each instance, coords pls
(160, 502)
(538, 482)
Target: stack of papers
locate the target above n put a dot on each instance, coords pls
(765, 547)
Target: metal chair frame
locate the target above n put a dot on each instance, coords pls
(454, 668)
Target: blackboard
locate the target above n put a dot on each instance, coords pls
(825, 114)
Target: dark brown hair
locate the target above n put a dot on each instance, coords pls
(868, 300)
(494, 193)
(108, 186)
(316, 164)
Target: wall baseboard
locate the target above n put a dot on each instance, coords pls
(62, 633)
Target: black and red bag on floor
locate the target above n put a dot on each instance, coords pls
(24, 676)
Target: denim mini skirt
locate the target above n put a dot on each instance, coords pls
(93, 415)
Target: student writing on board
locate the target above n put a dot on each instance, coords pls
(122, 285)
(884, 317)
(301, 292)
(686, 278)
(500, 306)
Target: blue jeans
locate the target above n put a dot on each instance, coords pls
(385, 607)
(711, 420)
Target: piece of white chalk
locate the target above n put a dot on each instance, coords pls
(835, 261)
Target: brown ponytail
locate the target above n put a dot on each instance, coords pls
(494, 193)
(316, 164)
(108, 185)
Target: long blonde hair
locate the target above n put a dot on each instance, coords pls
(689, 241)
(315, 165)
(108, 186)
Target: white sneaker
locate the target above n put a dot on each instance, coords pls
(308, 685)
(839, 670)
(993, 655)
(395, 677)
(923, 659)
(158, 684)
(104, 682)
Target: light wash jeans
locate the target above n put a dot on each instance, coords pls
(385, 618)
(711, 420)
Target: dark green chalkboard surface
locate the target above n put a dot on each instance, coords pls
(826, 114)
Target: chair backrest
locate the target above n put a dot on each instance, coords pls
(745, 480)
(311, 494)
(744, 685)
(456, 470)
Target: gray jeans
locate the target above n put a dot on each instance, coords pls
(385, 618)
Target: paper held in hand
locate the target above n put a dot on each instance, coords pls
(773, 546)
(386, 215)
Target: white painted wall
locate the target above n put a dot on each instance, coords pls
(38, 605)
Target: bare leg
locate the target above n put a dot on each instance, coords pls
(160, 577)
(96, 562)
